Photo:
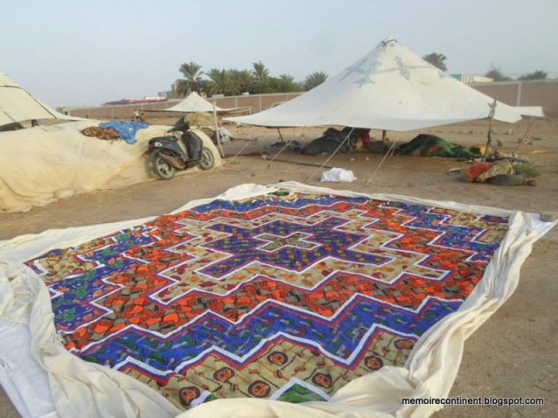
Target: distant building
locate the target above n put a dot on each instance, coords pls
(147, 99)
(470, 79)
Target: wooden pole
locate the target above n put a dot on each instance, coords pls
(384, 132)
(489, 134)
(280, 135)
(217, 135)
(282, 160)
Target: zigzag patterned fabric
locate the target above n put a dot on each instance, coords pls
(285, 296)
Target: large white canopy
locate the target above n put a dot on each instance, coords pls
(390, 88)
(17, 105)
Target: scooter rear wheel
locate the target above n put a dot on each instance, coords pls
(207, 161)
(160, 166)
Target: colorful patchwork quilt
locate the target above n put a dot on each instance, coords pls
(285, 296)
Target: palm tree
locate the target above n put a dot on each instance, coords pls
(259, 71)
(537, 75)
(496, 74)
(192, 80)
(285, 83)
(221, 81)
(437, 60)
(243, 80)
(314, 80)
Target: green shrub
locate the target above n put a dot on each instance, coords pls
(527, 169)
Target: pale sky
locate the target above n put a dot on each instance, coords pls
(90, 52)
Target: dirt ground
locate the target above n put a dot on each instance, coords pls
(512, 355)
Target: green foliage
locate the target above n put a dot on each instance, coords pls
(497, 75)
(286, 83)
(260, 71)
(314, 80)
(535, 75)
(528, 169)
(222, 82)
(282, 84)
(192, 80)
(234, 82)
(243, 80)
(437, 60)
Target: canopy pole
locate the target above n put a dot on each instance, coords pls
(490, 132)
(281, 135)
(384, 132)
(389, 151)
(331, 156)
(217, 134)
(287, 143)
(281, 160)
(525, 134)
(240, 152)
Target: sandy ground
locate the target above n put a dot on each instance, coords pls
(514, 354)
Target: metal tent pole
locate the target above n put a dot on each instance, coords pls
(331, 156)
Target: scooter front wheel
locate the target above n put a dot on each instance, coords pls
(207, 161)
(161, 166)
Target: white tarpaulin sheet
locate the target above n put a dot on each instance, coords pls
(79, 388)
(16, 105)
(391, 88)
(42, 164)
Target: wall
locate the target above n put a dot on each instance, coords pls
(126, 112)
(524, 93)
(516, 93)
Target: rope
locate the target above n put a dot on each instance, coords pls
(390, 151)
(239, 152)
(287, 143)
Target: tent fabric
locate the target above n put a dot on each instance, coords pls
(17, 105)
(79, 388)
(42, 164)
(391, 88)
(193, 103)
(532, 111)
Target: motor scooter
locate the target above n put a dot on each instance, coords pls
(180, 150)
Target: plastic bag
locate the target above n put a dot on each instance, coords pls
(338, 175)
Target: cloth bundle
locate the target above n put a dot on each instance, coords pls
(101, 133)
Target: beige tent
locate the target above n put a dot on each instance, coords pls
(46, 163)
(194, 103)
(17, 105)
